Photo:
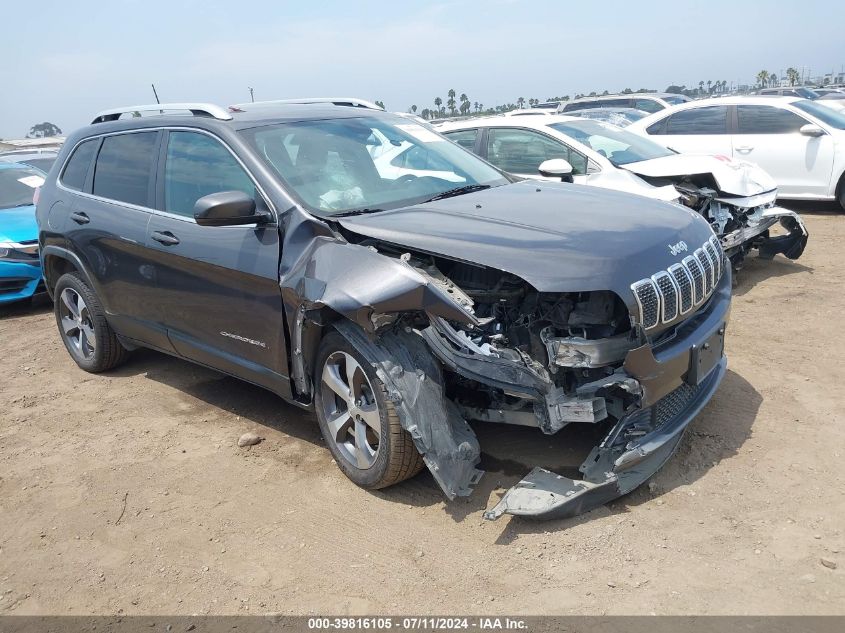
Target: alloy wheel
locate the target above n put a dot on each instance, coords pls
(350, 410)
(76, 323)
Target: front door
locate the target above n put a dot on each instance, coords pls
(219, 285)
(769, 136)
(520, 151)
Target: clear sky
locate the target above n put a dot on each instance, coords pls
(62, 61)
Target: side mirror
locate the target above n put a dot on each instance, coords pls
(811, 130)
(227, 208)
(556, 167)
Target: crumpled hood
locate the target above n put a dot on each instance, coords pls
(18, 224)
(734, 177)
(557, 237)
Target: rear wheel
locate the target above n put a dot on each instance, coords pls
(83, 327)
(358, 421)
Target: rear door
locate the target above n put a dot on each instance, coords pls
(219, 285)
(702, 130)
(106, 226)
(769, 136)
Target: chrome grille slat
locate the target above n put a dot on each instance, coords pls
(697, 274)
(684, 281)
(671, 293)
(648, 299)
(707, 266)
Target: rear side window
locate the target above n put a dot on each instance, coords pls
(647, 105)
(124, 167)
(758, 119)
(464, 138)
(708, 120)
(196, 166)
(76, 169)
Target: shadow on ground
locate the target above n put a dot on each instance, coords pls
(508, 452)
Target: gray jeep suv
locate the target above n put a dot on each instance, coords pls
(364, 267)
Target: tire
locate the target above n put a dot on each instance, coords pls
(841, 196)
(82, 324)
(345, 421)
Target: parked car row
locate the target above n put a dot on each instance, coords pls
(736, 197)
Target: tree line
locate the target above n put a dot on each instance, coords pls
(455, 105)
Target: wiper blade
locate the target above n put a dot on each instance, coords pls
(346, 214)
(458, 191)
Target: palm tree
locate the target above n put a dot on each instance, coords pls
(464, 103)
(701, 87)
(763, 78)
(709, 86)
(520, 102)
(437, 103)
(792, 75)
(451, 101)
(414, 109)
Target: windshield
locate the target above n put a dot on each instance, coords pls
(675, 99)
(364, 164)
(619, 146)
(823, 113)
(17, 185)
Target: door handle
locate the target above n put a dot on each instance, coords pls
(79, 217)
(165, 237)
(744, 148)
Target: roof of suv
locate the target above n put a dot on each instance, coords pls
(239, 117)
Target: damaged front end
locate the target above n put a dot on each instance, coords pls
(742, 222)
(547, 360)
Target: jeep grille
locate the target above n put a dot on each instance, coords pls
(670, 293)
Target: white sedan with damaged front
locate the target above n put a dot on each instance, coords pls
(738, 198)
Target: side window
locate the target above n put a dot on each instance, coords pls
(760, 119)
(197, 165)
(76, 169)
(522, 151)
(464, 138)
(124, 167)
(707, 120)
(647, 105)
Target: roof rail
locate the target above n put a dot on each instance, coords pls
(352, 102)
(196, 109)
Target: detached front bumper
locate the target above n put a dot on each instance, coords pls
(609, 474)
(755, 233)
(677, 380)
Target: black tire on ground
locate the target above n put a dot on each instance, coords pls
(107, 352)
(842, 192)
(396, 458)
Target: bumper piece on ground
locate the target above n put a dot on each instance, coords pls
(634, 449)
(791, 245)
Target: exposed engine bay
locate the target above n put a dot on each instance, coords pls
(742, 223)
(543, 360)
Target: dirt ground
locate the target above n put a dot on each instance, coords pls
(127, 493)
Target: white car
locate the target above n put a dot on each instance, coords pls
(736, 197)
(799, 142)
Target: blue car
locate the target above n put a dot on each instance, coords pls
(20, 268)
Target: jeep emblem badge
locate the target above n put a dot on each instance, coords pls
(680, 247)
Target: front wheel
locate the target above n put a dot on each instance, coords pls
(82, 324)
(358, 421)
